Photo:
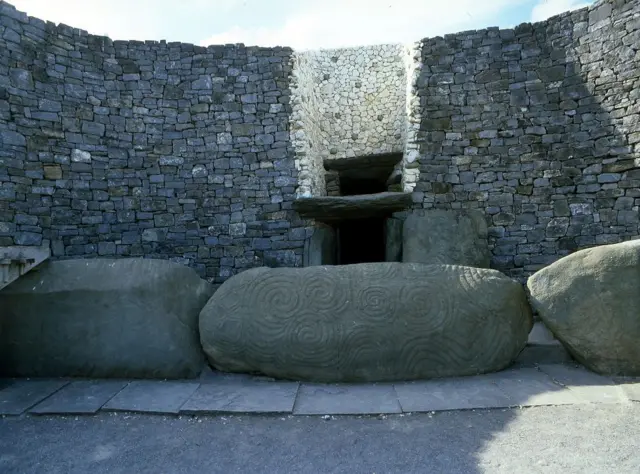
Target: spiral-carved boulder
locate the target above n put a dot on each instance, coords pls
(366, 322)
(590, 300)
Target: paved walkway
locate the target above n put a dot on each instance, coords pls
(214, 393)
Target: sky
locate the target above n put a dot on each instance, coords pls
(301, 24)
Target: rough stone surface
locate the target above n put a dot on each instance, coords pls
(321, 248)
(334, 208)
(346, 103)
(591, 303)
(537, 126)
(176, 151)
(446, 237)
(393, 240)
(154, 149)
(103, 318)
(366, 322)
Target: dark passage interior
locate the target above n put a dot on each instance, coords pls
(361, 241)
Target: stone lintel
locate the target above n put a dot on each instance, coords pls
(336, 208)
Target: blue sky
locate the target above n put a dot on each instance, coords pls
(302, 24)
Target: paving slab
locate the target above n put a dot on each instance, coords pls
(147, 396)
(233, 395)
(632, 391)
(23, 394)
(530, 387)
(346, 399)
(585, 384)
(79, 397)
(450, 394)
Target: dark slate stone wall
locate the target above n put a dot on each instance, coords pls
(166, 150)
(538, 126)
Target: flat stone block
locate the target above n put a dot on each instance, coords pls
(152, 397)
(530, 387)
(370, 399)
(242, 396)
(23, 394)
(81, 397)
(335, 208)
(451, 394)
(586, 385)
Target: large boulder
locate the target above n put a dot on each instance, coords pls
(366, 322)
(103, 318)
(590, 301)
(439, 236)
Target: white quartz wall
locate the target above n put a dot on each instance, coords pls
(347, 102)
(410, 164)
(306, 135)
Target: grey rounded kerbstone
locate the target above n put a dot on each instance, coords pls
(441, 236)
(103, 318)
(366, 322)
(590, 300)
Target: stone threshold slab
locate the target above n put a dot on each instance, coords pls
(336, 208)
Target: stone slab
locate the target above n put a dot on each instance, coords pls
(346, 399)
(152, 397)
(23, 394)
(80, 397)
(385, 160)
(586, 385)
(632, 391)
(450, 394)
(335, 208)
(242, 396)
(534, 355)
(530, 387)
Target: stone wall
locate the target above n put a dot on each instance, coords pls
(196, 154)
(539, 127)
(347, 102)
(158, 149)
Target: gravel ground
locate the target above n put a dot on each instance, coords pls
(569, 439)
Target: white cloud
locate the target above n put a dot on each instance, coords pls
(97, 17)
(127, 19)
(340, 23)
(548, 8)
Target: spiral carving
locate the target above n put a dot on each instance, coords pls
(368, 322)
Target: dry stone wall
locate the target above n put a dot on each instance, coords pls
(539, 127)
(346, 103)
(169, 150)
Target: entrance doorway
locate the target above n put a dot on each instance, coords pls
(361, 241)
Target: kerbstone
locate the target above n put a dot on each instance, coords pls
(366, 322)
(589, 300)
(103, 318)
